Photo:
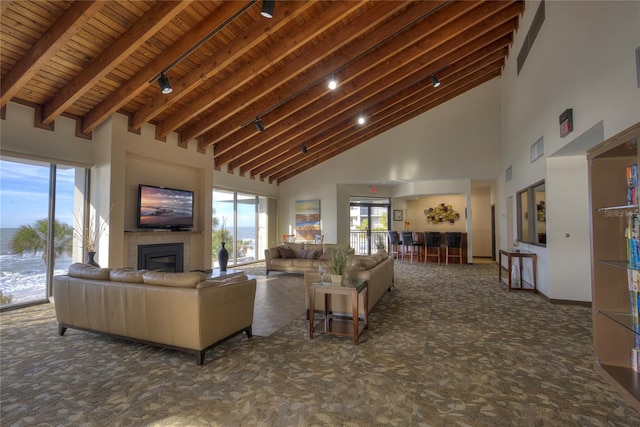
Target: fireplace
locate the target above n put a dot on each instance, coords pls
(161, 257)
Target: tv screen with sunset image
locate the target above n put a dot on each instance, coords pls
(167, 208)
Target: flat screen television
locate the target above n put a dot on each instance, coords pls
(164, 208)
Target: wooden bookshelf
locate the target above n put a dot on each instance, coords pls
(614, 333)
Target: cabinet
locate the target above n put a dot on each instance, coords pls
(614, 331)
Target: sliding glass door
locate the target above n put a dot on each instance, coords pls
(239, 221)
(38, 209)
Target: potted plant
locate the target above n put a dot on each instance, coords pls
(338, 263)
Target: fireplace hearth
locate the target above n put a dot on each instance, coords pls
(168, 257)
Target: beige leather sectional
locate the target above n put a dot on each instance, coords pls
(181, 311)
(376, 269)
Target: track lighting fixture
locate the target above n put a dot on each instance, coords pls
(163, 82)
(259, 124)
(333, 83)
(303, 149)
(267, 8)
(361, 120)
(435, 80)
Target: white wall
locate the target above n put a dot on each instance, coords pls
(583, 58)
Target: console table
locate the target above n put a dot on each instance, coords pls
(519, 256)
(334, 325)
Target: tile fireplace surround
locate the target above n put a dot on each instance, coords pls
(134, 238)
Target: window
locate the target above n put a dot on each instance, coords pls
(239, 220)
(33, 197)
(532, 215)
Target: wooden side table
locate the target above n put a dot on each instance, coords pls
(335, 325)
(520, 256)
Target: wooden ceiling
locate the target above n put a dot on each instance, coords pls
(228, 65)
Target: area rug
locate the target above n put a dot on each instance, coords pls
(448, 346)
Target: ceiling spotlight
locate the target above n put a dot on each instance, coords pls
(333, 83)
(267, 8)
(435, 80)
(163, 82)
(303, 149)
(361, 120)
(259, 124)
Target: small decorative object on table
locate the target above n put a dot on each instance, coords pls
(223, 257)
(91, 260)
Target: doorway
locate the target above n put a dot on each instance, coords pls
(369, 223)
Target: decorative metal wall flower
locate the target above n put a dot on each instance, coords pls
(441, 213)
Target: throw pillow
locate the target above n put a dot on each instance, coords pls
(306, 254)
(286, 252)
(326, 256)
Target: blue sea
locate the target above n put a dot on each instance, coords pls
(24, 276)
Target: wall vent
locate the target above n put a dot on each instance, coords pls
(536, 24)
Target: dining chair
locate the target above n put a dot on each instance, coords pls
(453, 240)
(318, 239)
(431, 245)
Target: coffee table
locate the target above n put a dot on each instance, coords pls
(336, 325)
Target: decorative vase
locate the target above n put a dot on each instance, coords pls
(515, 275)
(91, 260)
(223, 257)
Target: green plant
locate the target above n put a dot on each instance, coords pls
(34, 238)
(338, 260)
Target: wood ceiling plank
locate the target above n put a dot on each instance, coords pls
(336, 50)
(144, 28)
(139, 82)
(417, 94)
(254, 35)
(391, 55)
(346, 108)
(337, 149)
(62, 30)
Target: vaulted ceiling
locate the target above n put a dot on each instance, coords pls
(228, 66)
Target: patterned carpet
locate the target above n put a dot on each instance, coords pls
(449, 346)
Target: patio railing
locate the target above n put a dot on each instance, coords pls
(358, 241)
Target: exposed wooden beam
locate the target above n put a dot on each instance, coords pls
(145, 27)
(139, 82)
(396, 60)
(285, 46)
(332, 54)
(46, 47)
(257, 33)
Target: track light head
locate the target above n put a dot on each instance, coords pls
(268, 7)
(303, 149)
(163, 82)
(333, 83)
(259, 124)
(435, 81)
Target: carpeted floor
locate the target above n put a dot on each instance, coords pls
(449, 346)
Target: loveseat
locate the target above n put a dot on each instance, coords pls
(376, 269)
(180, 311)
(299, 257)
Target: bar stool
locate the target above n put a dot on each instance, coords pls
(431, 240)
(394, 244)
(409, 247)
(418, 240)
(453, 241)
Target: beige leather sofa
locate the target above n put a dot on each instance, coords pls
(298, 257)
(376, 269)
(181, 311)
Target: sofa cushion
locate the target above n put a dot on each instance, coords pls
(128, 275)
(181, 280)
(384, 254)
(222, 281)
(319, 248)
(366, 261)
(295, 246)
(86, 271)
(326, 256)
(287, 252)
